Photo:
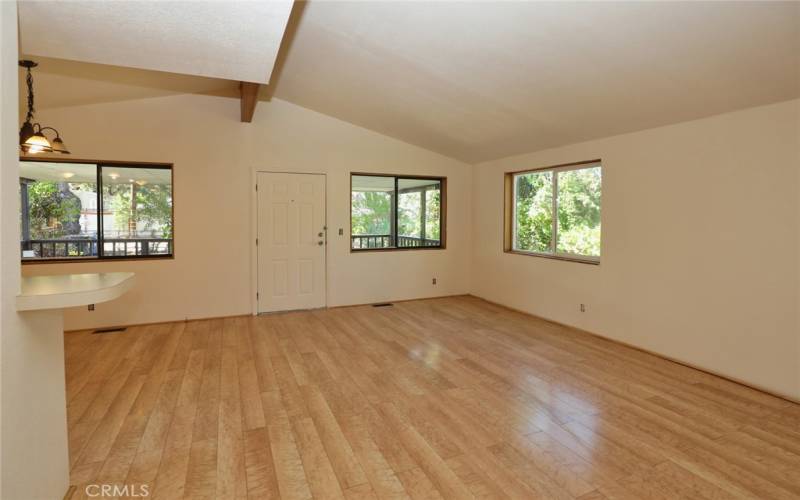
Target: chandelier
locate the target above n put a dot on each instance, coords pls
(31, 135)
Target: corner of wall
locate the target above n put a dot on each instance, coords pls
(9, 267)
(472, 231)
(34, 461)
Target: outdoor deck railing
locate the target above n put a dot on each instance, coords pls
(112, 247)
(362, 241)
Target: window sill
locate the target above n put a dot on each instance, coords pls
(555, 257)
(94, 260)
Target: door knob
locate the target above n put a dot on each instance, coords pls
(319, 234)
(319, 243)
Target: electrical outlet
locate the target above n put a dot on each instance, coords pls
(91, 307)
(434, 281)
(583, 308)
(341, 231)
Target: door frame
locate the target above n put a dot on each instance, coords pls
(254, 231)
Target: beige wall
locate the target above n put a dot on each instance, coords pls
(700, 236)
(33, 420)
(215, 156)
(700, 255)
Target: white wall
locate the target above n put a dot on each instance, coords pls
(700, 253)
(33, 421)
(215, 156)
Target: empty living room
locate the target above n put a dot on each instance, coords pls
(276, 249)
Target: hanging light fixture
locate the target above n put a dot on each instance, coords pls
(31, 135)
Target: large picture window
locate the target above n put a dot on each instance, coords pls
(393, 212)
(555, 212)
(83, 211)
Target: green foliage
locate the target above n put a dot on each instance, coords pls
(534, 212)
(408, 214)
(50, 210)
(55, 208)
(433, 213)
(578, 211)
(153, 206)
(371, 212)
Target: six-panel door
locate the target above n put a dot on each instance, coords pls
(291, 241)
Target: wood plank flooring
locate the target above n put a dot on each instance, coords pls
(443, 398)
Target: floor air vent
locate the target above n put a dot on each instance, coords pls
(385, 304)
(110, 330)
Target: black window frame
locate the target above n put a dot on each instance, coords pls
(394, 215)
(99, 164)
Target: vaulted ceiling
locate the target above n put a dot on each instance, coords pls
(232, 40)
(478, 81)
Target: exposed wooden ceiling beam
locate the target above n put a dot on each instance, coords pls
(249, 96)
(250, 91)
(288, 38)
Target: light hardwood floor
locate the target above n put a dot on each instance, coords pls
(444, 398)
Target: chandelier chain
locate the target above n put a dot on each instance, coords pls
(29, 81)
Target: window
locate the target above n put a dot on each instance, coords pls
(555, 212)
(85, 211)
(392, 212)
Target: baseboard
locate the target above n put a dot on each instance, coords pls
(70, 492)
(208, 318)
(132, 325)
(401, 300)
(687, 364)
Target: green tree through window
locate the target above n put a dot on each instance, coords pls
(54, 210)
(378, 203)
(64, 214)
(578, 200)
(579, 212)
(534, 211)
(371, 212)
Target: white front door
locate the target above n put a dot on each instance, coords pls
(291, 241)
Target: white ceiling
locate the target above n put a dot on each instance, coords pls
(235, 40)
(478, 81)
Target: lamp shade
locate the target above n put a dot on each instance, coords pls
(38, 143)
(59, 147)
